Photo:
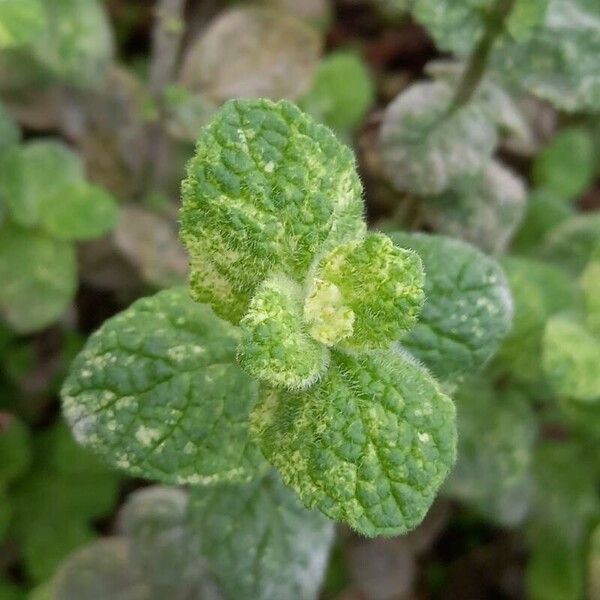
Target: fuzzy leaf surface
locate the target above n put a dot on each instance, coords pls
(260, 541)
(157, 393)
(368, 445)
(267, 188)
(276, 346)
(468, 311)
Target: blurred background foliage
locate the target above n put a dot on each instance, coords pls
(100, 105)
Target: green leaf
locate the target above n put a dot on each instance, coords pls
(594, 565)
(260, 541)
(162, 545)
(555, 567)
(5, 513)
(341, 93)
(381, 285)
(78, 211)
(556, 62)
(468, 311)
(496, 435)
(15, 449)
(9, 132)
(425, 150)
(9, 591)
(486, 211)
(276, 346)
(157, 393)
(20, 21)
(76, 490)
(567, 166)
(268, 189)
(545, 212)
(526, 16)
(571, 244)
(76, 44)
(571, 355)
(252, 51)
(590, 284)
(539, 290)
(39, 278)
(34, 175)
(368, 445)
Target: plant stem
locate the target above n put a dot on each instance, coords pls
(480, 56)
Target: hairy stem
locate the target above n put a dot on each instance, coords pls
(480, 56)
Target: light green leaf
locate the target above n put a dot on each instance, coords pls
(157, 393)
(341, 93)
(425, 149)
(36, 174)
(78, 211)
(539, 290)
(380, 284)
(76, 45)
(567, 166)
(260, 541)
(267, 189)
(571, 355)
(15, 449)
(368, 445)
(38, 275)
(468, 310)
(545, 212)
(9, 133)
(485, 211)
(555, 567)
(20, 21)
(496, 434)
(394, 9)
(594, 565)
(525, 17)
(571, 244)
(252, 52)
(276, 346)
(590, 283)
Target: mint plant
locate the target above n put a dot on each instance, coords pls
(305, 369)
